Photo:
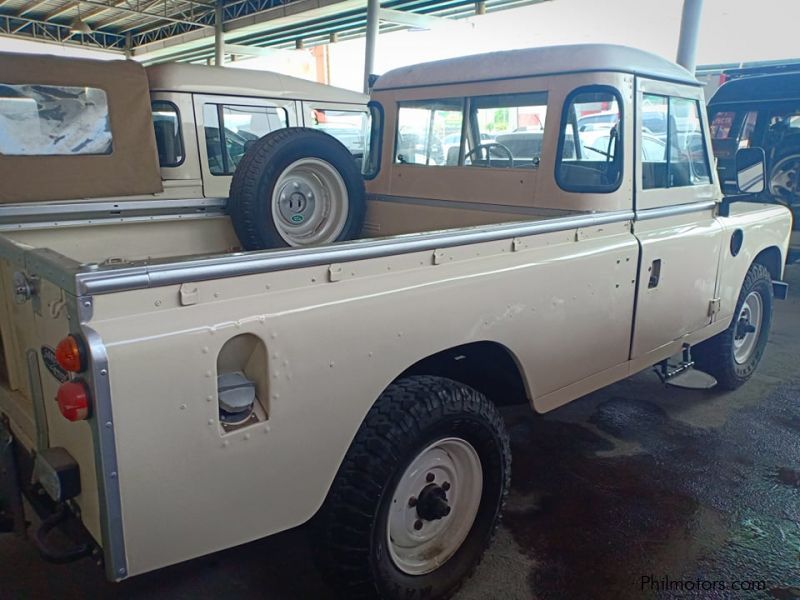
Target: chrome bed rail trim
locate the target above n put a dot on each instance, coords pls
(17, 216)
(103, 280)
(646, 214)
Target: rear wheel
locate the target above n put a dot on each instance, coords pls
(733, 355)
(419, 494)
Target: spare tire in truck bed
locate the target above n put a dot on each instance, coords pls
(296, 187)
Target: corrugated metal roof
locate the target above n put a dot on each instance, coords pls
(132, 25)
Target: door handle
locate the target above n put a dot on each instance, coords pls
(655, 274)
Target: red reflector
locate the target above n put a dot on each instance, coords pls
(70, 355)
(73, 400)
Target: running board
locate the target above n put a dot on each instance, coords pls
(684, 375)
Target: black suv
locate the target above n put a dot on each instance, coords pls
(761, 111)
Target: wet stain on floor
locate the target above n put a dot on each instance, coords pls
(715, 507)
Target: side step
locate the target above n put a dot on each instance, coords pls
(684, 375)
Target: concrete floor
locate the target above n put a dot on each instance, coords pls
(637, 480)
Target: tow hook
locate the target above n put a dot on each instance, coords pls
(55, 555)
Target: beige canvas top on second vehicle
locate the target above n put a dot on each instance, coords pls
(74, 129)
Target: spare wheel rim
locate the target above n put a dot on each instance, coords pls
(309, 203)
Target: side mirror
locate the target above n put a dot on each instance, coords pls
(750, 170)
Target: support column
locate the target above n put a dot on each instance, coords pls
(219, 39)
(372, 37)
(690, 30)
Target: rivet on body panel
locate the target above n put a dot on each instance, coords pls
(113, 475)
(210, 374)
(205, 350)
(103, 372)
(225, 443)
(157, 302)
(108, 424)
(209, 398)
(246, 436)
(183, 407)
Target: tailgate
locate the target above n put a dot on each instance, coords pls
(30, 329)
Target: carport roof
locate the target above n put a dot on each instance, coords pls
(184, 29)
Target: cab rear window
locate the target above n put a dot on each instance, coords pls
(50, 120)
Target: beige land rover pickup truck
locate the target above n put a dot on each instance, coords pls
(525, 237)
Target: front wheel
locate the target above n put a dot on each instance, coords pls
(733, 355)
(419, 494)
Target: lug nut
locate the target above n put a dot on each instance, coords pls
(412, 501)
(417, 524)
(429, 477)
(446, 486)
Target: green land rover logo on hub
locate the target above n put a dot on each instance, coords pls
(297, 218)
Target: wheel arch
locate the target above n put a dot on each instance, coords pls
(487, 366)
(772, 259)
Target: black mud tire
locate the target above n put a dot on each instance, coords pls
(716, 355)
(411, 414)
(251, 192)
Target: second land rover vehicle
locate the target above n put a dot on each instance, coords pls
(180, 396)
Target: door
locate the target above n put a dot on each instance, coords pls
(680, 239)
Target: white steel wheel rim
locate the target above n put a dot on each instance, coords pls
(450, 463)
(309, 203)
(748, 328)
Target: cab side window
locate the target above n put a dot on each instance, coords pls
(590, 142)
(230, 130)
(508, 131)
(677, 157)
(169, 138)
(423, 129)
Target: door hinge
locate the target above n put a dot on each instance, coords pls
(714, 306)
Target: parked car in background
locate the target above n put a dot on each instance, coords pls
(761, 111)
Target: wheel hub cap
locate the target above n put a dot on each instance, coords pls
(432, 503)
